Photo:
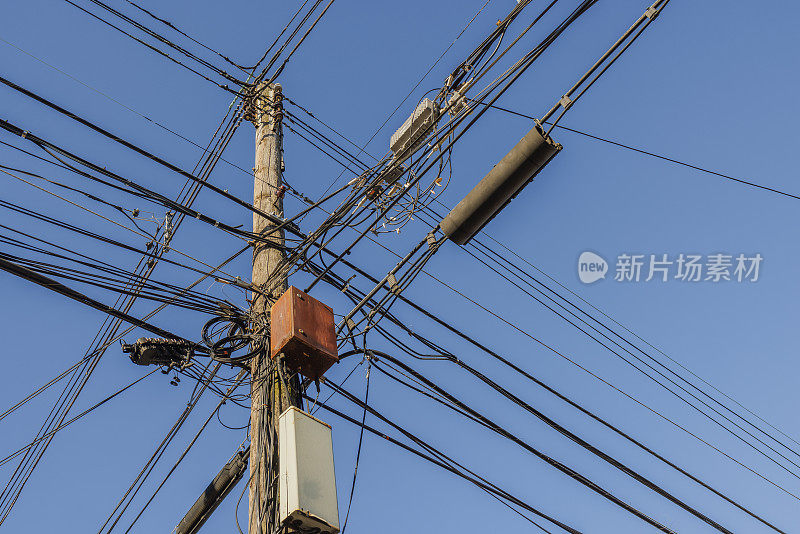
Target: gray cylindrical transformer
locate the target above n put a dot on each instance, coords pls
(500, 186)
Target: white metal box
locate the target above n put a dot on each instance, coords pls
(414, 129)
(307, 486)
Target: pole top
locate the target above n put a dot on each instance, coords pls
(274, 86)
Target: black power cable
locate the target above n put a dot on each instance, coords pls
(108, 332)
(632, 148)
(52, 285)
(148, 467)
(84, 413)
(551, 461)
(623, 345)
(159, 51)
(138, 189)
(131, 146)
(358, 452)
(552, 424)
(167, 42)
(522, 67)
(185, 451)
(347, 288)
(438, 458)
(500, 260)
(183, 33)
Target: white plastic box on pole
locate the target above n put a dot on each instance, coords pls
(307, 492)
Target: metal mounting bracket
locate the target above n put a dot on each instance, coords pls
(392, 282)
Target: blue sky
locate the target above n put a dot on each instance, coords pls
(709, 83)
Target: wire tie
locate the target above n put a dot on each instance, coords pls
(392, 281)
(431, 238)
(347, 284)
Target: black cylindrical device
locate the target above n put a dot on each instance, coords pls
(500, 186)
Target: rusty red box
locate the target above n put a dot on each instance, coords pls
(303, 329)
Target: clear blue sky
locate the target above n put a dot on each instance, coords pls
(709, 83)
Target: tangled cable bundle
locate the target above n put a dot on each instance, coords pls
(226, 335)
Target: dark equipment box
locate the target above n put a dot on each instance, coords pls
(303, 329)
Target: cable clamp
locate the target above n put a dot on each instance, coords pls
(565, 102)
(431, 239)
(25, 134)
(346, 286)
(238, 282)
(652, 11)
(393, 287)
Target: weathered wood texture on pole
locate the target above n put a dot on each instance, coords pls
(270, 394)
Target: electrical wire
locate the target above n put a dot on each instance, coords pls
(41, 389)
(358, 451)
(157, 50)
(562, 397)
(517, 73)
(554, 425)
(436, 457)
(75, 418)
(108, 330)
(595, 451)
(183, 33)
(131, 146)
(627, 146)
(148, 467)
(650, 368)
(185, 452)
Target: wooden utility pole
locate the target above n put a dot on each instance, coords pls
(270, 392)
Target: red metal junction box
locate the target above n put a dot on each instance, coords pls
(303, 329)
